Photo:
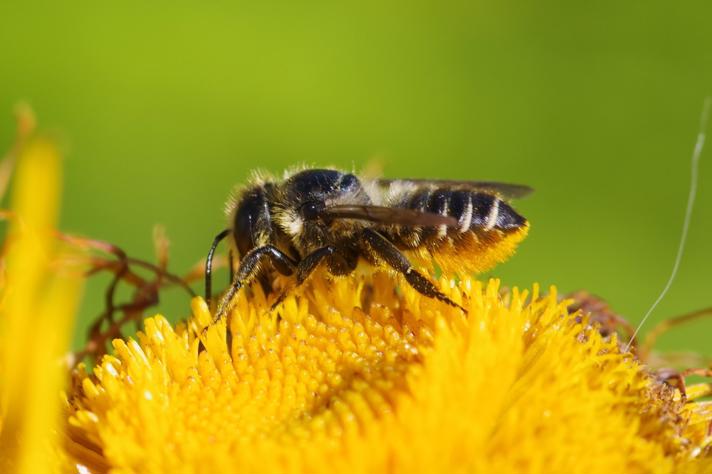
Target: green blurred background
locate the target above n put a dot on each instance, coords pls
(165, 106)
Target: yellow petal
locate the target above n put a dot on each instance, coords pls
(36, 316)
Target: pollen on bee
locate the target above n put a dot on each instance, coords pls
(485, 250)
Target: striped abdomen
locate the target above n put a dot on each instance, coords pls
(476, 212)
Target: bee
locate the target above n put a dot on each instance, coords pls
(330, 218)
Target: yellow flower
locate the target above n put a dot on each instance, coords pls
(408, 385)
(37, 307)
(358, 374)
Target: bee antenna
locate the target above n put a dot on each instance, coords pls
(209, 264)
(694, 172)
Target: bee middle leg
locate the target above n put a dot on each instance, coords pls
(309, 263)
(389, 253)
(249, 268)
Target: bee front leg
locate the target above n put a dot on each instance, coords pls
(249, 268)
(389, 253)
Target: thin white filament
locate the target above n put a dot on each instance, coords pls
(694, 172)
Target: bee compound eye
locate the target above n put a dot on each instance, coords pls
(311, 210)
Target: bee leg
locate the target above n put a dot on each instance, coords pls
(311, 261)
(249, 268)
(390, 254)
(305, 268)
(209, 264)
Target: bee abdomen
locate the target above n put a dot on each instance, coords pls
(473, 210)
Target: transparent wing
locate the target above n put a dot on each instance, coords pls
(505, 191)
(389, 215)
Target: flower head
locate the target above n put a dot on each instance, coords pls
(352, 376)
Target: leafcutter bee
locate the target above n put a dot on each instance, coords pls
(333, 218)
